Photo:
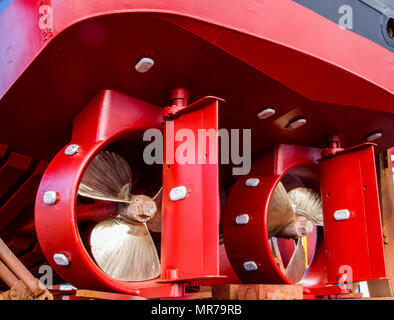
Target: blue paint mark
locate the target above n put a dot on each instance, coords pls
(4, 4)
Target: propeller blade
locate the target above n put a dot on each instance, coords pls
(276, 253)
(296, 267)
(307, 203)
(155, 223)
(108, 177)
(125, 251)
(280, 211)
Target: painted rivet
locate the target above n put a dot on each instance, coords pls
(178, 193)
(374, 136)
(250, 266)
(71, 149)
(242, 219)
(67, 287)
(144, 65)
(340, 215)
(61, 259)
(252, 182)
(50, 197)
(266, 113)
(296, 123)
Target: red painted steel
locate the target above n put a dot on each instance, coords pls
(109, 117)
(56, 55)
(189, 242)
(190, 234)
(33, 257)
(97, 211)
(261, 20)
(251, 53)
(250, 242)
(329, 290)
(348, 182)
(3, 150)
(19, 244)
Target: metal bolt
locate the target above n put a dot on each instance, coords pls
(61, 259)
(242, 219)
(296, 123)
(343, 214)
(252, 182)
(50, 197)
(67, 287)
(374, 136)
(250, 266)
(266, 113)
(144, 65)
(71, 149)
(178, 193)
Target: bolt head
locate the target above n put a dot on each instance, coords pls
(252, 182)
(61, 259)
(296, 123)
(71, 149)
(242, 219)
(342, 214)
(50, 197)
(178, 193)
(144, 65)
(266, 113)
(374, 136)
(250, 266)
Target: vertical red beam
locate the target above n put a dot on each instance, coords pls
(348, 182)
(190, 226)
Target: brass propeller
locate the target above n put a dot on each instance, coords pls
(122, 247)
(307, 203)
(292, 216)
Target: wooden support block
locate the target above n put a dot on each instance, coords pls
(380, 288)
(379, 298)
(257, 292)
(91, 294)
(225, 292)
(385, 287)
(353, 295)
(205, 293)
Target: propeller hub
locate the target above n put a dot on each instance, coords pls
(141, 209)
(304, 226)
